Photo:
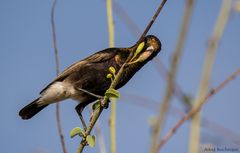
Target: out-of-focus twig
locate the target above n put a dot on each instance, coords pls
(194, 139)
(197, 108)
(112, 119)
(236, 6)
(58, 118)
(158, 126)
(110, 23)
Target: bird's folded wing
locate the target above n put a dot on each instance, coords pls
(98, 57)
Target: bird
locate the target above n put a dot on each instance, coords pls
(86, 78)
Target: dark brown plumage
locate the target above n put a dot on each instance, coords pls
(90, 74)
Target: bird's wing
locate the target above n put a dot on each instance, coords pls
(98, 57)
(102, 56)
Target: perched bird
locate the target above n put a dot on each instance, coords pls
(89, 76)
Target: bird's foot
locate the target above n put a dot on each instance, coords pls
(79, 108)
(83, 122)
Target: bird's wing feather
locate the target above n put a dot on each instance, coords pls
(100, 56)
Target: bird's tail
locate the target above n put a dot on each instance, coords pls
(31, 109)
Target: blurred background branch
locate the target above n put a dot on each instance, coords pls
(58, 117)
(158, 126)
(194, 140)
(112, 119)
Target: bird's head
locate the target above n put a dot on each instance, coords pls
(141, 53)
(146, 50)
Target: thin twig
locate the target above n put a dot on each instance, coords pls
(112, 119)
(54, 36)
(196, 108)
(151, 21)
(99, 134)
(194, 140)
(113, 85)
(157, 128)
(99, 111)
(59, 126)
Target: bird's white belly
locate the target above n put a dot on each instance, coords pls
(57, 92)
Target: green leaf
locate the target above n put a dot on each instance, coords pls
(96, 105)
(112, 70)
(109, 76)
(138, 50)
(112, 93)
(76, 131)
(91, 140)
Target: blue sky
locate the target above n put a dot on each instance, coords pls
(27, 66)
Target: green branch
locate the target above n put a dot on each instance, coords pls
(112, 119)
(98, 112)
(115, 81)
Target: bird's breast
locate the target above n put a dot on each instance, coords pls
(56, 92)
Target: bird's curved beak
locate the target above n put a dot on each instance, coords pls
(144, 55)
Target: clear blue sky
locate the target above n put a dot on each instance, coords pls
(27, 66)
